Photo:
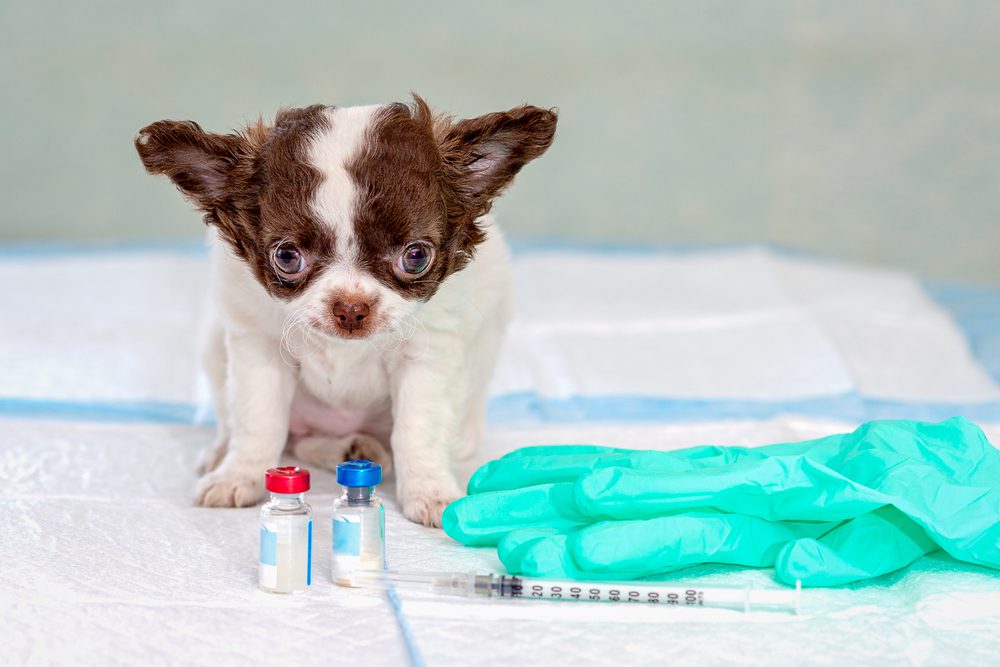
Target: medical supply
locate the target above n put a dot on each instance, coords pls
(286, 532)
(827, 512)
(472, 585)
(358, 521)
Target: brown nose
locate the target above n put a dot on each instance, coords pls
(349, 313)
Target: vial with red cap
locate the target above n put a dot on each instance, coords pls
(286, 532)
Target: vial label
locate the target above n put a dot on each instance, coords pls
(358, 542)
(286, 554)
(268, 558)
(347, 536)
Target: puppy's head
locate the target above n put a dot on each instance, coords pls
(354, 215)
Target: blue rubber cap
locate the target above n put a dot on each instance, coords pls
(359, 473)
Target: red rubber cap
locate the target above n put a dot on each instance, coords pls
(287, 479)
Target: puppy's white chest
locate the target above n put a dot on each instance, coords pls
(351, 378)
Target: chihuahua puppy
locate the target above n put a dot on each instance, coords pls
(361, 292)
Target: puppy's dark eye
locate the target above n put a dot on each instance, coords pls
(288, 260)
(415, 259)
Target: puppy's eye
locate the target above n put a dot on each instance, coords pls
(288, 260)
(416, 259)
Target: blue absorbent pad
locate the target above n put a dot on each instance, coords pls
(742, 346)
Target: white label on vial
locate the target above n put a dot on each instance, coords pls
(286, 554)
(346, 546)
(358, 542)
(268, 558)
(347, 535)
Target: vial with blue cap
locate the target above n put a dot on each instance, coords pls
(358, 521)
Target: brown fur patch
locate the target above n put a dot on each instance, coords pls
(420, 177)
(254, 186)
(423, 177)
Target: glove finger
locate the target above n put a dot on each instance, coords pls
(514, 472)
(552, 464)
(544, 552)
(643, 548)
(775, 488)
(537, 552)
(871, 545)
(484, 518)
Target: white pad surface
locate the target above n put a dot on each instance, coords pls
(106, 561)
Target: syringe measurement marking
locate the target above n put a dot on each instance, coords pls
(542, 589)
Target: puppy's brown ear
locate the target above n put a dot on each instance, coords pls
(212, 170)
(482, 155)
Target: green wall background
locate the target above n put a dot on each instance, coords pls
(856, 129)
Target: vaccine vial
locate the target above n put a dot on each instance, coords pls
(286, 532)
(358, 521)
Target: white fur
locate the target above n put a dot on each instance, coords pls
(419, 383)
(336, 197)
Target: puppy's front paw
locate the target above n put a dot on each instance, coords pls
(230, 488)
(427, 507)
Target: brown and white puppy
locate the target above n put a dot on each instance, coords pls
(361, 291)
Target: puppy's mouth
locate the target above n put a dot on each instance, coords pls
(338, 333)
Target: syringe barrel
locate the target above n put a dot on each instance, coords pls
(742, 598)
(472, 585)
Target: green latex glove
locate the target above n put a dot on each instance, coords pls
(826, 511)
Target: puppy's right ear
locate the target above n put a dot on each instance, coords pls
(212, 170)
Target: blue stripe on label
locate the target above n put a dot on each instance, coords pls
(309, 556)
(346, 537)
(268, 547)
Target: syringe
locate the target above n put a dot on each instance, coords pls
(472, 585)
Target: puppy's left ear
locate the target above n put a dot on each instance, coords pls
(211, 170)
(482, 155)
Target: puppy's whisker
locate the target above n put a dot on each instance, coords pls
(309, 336)
(295, 325)
(406, 330)
(284, 344)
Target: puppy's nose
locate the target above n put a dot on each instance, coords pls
(350, 313)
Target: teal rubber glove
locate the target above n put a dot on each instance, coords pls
(826, 511)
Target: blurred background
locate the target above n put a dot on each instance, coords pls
(854, 129)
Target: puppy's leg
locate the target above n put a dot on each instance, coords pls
(259, 389)
(327, 451)
(473, 425)
(426, 404)
(213, 361)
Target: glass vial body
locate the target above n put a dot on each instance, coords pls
(286, 540)
(358, 522)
